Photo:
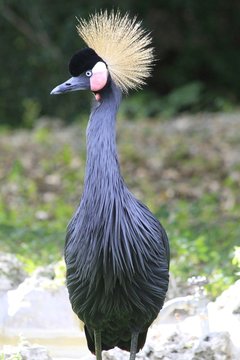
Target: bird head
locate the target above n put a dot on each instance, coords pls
(88, 70)
(118, 50)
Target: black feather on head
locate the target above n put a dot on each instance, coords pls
(83, 60)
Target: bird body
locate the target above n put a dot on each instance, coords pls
(117, 268)
(116, 251)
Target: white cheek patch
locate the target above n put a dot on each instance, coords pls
(99, 76)
(99, 67)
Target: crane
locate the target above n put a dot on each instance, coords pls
(116, 251)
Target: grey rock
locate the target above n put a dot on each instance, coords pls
(25, 352)
(54, 316)
(230, 299)
(215, 346)
(11, 272)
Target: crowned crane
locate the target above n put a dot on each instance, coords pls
(116, 251)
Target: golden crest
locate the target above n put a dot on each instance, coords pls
(122, 43)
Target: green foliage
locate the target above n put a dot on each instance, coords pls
(17, 356)
(148, 104)
(236, 258)
(182, 98)
(196, 50)
(31, 112)
(200, 242)
(182, 175)
(33, 210)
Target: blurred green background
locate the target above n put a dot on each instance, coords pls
(197, 45)
(187, 170)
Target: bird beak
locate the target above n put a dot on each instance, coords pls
(74, 83)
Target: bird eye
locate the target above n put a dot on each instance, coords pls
(88, 73)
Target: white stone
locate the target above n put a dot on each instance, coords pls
(26, 352)
(11, 272)
(180, 346)
(230, 299)
(40, 307)
(224, 314)
(11, 275)
(215, 346)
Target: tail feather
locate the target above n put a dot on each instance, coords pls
(124, 345)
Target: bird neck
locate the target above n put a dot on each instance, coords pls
(102, 165)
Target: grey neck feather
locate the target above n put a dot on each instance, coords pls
(102, 167)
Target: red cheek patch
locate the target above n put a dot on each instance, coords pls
(98, 80)
(97, 96)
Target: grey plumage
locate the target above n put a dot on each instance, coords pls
(116, 251)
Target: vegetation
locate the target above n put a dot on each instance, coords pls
(11, 357)
(236, 258)
(186, 171)
(196, 43)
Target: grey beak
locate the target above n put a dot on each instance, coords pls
(74, 83)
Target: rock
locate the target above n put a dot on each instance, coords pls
(230, 299)
(25, 352)
(40, 308)
(45, 272)
(115, 354)
(11, 272)
(177, 347)
(118, 354)
(224, 315)
(215, 346)
(11, 275)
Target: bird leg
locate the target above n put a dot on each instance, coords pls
(98, 344)
(134, 344)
